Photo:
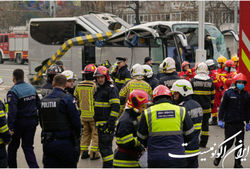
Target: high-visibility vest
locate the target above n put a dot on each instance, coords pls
(165, 119)
(84, 92)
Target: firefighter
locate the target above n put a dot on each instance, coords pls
(129, 148)
(5, 136)
(183, 97)
(161, 130)
(235, 58)
(137, 82)
(22, 101)
(170, 74)
(234, 111)
(204, 92)
(227, 80)
(221, 63)
(61, 127)
(121, 74)
(186, 72)
(107, 106)
(60, 64)
(51, 72)
(149, 77)
(160, 73)
(71, 78)
(213, 74)
(148, 61)
(84, 93)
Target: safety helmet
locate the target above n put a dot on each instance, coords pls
(221, 59)
(90, 68)
(1, 80)
(161, 90)
(182, 86)
(239, 77)
(69, 75)
(235, 58)
(148, 71)
(137, 71)
(161, 68)
(229, 63)
(54, 69)
(202, 68)
(184, 64)
(169, 65)
(136, 98)
(102, 71)
(106, 64)
(210, 62)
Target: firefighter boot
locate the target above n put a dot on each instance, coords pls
(94, 155)
(85, 155)
(237, 163)
(214, 122)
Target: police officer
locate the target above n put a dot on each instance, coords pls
(51, 72)
(137, 82)
(129, 148)
(204, 92)
(61, 127)
(234, 111)
(71, 78)
(183, 97)
(107, 105)
(5, 137)
(22, 119)
(84, 93)
(121, 74)
(170, 75)
(149, 77)
(161, 130)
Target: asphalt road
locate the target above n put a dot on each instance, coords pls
(205, 160)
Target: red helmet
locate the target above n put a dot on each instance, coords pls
(102, 71)
(136, 98)
(184, 64)
(161, 90)
(90, 68)
(239, 77)
(229, 63)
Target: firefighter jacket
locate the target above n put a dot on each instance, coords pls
(194, 110)
(133, 85)
(22, 101)
(84, 93)
(227, 80)
(106, 104)
(218, 89)
(168, 79)
(188, 74)
(161, 130)
(129, 148)
(58, 115)
(203, 92)
(4, 130)
(235, 106)
(121, 76)
(153, 82)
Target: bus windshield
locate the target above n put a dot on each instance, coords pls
(214, 41)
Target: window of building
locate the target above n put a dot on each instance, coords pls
(176, 16)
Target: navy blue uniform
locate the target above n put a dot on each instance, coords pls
(47, 88)
(4, 137)
(168, 79)
(129, 148)
(234, 110)
(22, 119)
(153, 82)
(107, 106)
(61, 148)
(121, 76)
(195, 112)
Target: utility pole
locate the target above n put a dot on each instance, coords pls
(201, 52)
(236, 26)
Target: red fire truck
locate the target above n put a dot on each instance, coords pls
(14, 47)
(244, 45)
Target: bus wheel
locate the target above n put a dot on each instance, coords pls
(18, 58)
(1, 58)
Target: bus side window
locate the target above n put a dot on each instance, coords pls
(1, 39)
(6, 38)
